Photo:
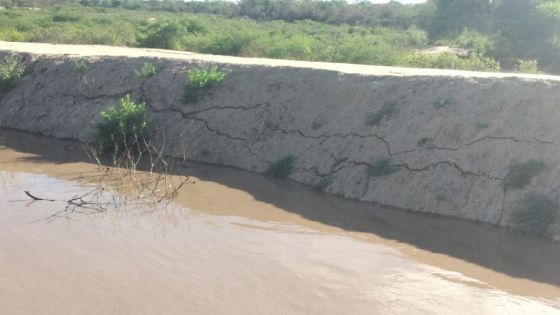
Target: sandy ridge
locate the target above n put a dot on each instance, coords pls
(113, 51)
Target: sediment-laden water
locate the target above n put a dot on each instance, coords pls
(233, 242)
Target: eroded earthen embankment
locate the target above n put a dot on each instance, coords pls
(427, 140)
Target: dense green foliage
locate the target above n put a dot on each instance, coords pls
(516, 35)
(282, 167)
(122, 130)
(535, 214)
(201, 80)
(11, 69)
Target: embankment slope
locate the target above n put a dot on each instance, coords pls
(435, 141)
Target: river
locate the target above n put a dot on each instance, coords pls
(234, 242)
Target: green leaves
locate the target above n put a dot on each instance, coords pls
(282, 167)
(148, 69)
(11, 69)
(122, 129)
(200, 80)
(205, 78)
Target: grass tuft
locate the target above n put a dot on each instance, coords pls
(442, 102)
(382, 167)
(384, 113)
(148, 69)
(282, 167)
(322, 184)
(201, 80)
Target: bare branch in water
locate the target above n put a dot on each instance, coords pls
(37, 198)
(119, 183)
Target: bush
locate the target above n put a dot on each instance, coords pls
(281, 167)
(520, 175)
(528, 66)
(11, 69)
(384, 113)
(442, 102)
(382, 167)
(123, 129)
(148, 69)
(81, 64)
(201, 80)
(534, 215)
(474, 41)
(322, 184)
(168, 34)
(448, 60)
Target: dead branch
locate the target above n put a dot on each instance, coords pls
(37, 198)
(120, 183)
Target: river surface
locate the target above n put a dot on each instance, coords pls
(233, 242)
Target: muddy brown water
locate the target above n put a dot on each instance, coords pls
(240, 243)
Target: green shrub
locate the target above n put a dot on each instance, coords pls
(528, 66)
(520, 175)
(281, 167)
(81, 64)
(202, 80)
(322, 184)
(168, 34)
(11, 70)
(384, 113)
(480, 126)
(316, 124)
(448, 60)
(382, 167)
(442, 102)
(534, 215)
(122, 129)
(148, 69)
(473, 41)
(425, 142)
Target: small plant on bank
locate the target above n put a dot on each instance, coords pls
(322, 184)
(384, 113)
(11, 70)
(316, 124)
(480, 126)
(426, 143)
(534, 215)
(81, 65)
(520, 175)
(148, 69)
(442, 102)
(123, 129)
(281, 167)
(382, 167)
(202, 80)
